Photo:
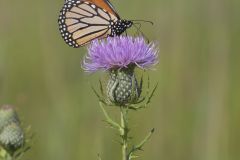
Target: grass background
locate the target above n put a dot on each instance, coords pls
(196, 109)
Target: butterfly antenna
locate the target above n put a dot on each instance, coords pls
(139, 30)
(136, 20)
(137, 26)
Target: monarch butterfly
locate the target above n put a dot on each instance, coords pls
(81, 21)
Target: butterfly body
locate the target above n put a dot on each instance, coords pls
(80, 22)
(119, 27)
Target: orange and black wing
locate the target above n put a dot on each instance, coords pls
(105, 4)
(83, 21)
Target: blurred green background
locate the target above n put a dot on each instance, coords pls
(196, 109)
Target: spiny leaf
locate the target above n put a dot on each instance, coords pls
(96, 93)
(148, 85)
(141, 84)
(141, 144)
(108, 119)
(101, 87)
(152, 93)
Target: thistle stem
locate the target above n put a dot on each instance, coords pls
(4, 155)
(124, 132)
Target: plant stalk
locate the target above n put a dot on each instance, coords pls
(4, 155)
(124, 132)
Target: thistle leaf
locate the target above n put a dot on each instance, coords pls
(139, 147)
(96, 93)
(101, 87)
(108, 119)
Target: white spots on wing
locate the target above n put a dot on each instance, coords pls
(81, 21)
(93, 6)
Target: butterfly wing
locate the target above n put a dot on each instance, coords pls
(82, 21)
(105, 4)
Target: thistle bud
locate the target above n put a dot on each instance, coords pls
(7, 116)
(12, 137)
(123, 87)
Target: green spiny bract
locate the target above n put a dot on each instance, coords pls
(12, 137)
(7, 116)
(123, 87)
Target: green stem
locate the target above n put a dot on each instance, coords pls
(4, 155)
(124, 132)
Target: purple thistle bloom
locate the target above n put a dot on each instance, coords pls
(120, 52)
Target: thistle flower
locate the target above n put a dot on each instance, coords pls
(120, 52)
(119, 56)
